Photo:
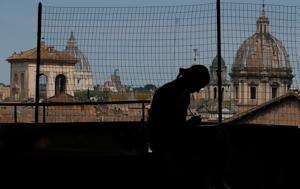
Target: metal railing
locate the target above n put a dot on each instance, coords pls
(62, 107)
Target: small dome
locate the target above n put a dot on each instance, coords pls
(72, 48)
(213, 71)
(215, 62)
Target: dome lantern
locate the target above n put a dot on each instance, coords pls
(262, 23)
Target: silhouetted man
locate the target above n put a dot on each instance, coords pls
(167, 124)
(167, 115)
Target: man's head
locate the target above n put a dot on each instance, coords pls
(195, 77)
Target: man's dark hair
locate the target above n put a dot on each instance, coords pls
(196, 75)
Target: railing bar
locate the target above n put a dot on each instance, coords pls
(44, 113)
(143, 112)
(38, 63)
(74, 103)
(15, 114)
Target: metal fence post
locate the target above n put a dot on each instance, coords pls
(219, 72)
(44, 113)
(38, 63)
(15, 114)
(143, 112)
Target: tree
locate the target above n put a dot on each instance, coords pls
(87, 95)
(2, 84)
(150, 87)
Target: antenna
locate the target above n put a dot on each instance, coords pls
(195, 55)
(263, 6)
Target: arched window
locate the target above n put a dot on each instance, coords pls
(15, 89)
(274, 89)
(60, 84)
(43, 86)
(16, 79)
(236, 92)
(274, 92)
(22, 85)
(215, 92)
(252, 92)
(222, 93)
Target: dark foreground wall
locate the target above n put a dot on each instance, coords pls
(243, 156)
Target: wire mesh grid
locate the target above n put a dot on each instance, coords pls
(125, 53)
(138, 45)
(122, 53)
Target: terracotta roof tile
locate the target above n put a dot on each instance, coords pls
(293, 94)
(63, 97)
(48, 54)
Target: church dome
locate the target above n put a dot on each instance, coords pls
(72, 48)
(262, 52)
(215, 62)
(213, 71)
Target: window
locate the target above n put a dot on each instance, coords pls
(15, 89)
(274, 89)
(215, 92)
(16, 79)
(222, 93)
(60, 84)
(43, 86)
(260, 29)
(236, 92)
(274, 92)
(252, 92)
(22, 85)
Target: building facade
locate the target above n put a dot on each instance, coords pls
(61, 71)
(56, 73)
(114, 84)
(212, 88)
(283, 110)
(4, 92)
(261, 70)
(206, 101)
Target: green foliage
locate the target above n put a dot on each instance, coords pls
(147, 87)
(150, 87)
(99, 95)
(96, 95)
(2, 84)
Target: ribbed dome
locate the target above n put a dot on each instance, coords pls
(72, 48)
(262, 52)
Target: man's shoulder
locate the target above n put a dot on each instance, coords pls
(167, 87)
(163, 93)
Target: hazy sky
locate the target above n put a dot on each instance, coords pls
(18, 20)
